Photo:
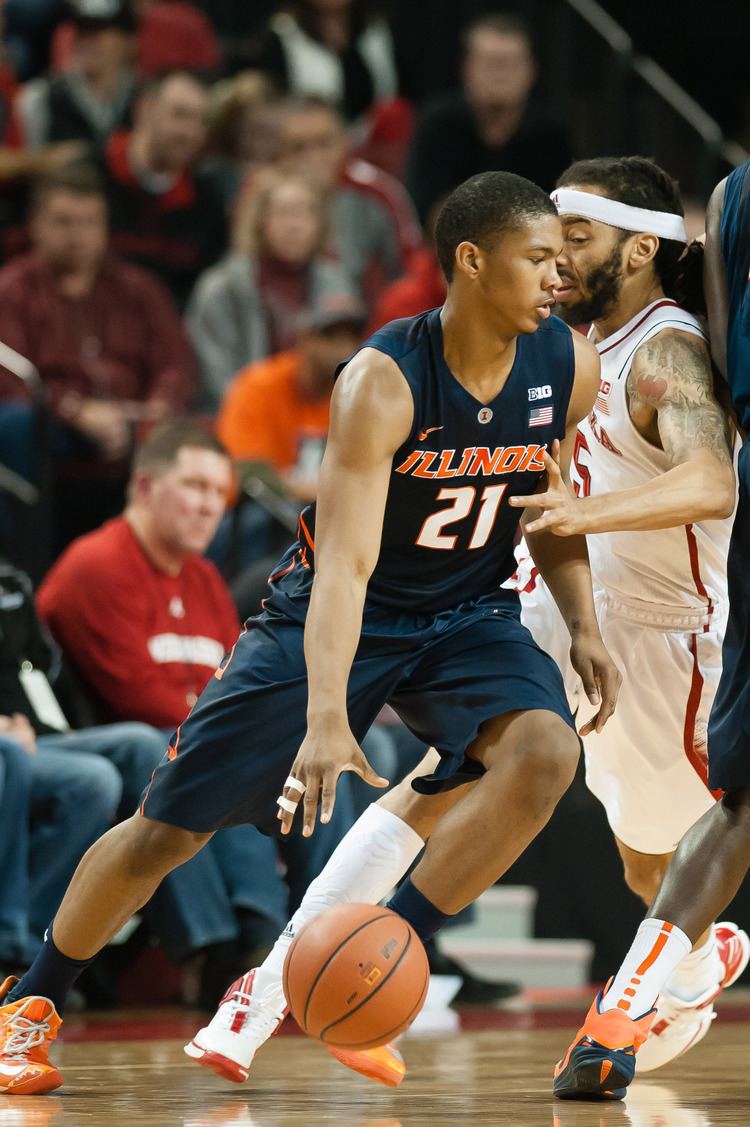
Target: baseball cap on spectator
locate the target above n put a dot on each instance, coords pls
(333, 309)
(99, 14)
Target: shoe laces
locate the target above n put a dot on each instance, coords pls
(24, 1034)
(261, 1019)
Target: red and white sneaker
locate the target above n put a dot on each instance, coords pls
(679, 1025)
(244, 1022)
(27, 1029)
(734, 950)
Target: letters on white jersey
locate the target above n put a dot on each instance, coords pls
(674, 567)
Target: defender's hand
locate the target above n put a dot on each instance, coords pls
(601, 677)
(561, 509)
(322, 757)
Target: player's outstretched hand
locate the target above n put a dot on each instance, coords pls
(601, 678)
(320, 760)
(561, 509)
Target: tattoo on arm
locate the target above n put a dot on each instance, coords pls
(672, 374)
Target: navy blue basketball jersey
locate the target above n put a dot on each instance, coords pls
(735, 248)
(448, 531)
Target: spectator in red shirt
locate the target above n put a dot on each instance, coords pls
(105, 337)
(145, 620)
(140, 614)
(166, 212)
(374, 228)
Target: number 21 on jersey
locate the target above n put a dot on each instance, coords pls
(433, 534)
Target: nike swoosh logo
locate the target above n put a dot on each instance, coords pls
(8, 1069)
(423, 433)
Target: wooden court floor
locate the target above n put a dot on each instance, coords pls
(485, 1077)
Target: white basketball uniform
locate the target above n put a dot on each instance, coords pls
(661, 600)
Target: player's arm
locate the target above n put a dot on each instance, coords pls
(564, 564)
(715, 280)
(671, 375)
(371, 416)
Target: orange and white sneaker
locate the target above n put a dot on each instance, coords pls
(27, 1029)
(679, 1025)
(244, 1022)
(600, 1063)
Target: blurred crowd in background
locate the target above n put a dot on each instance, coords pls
(204, 207)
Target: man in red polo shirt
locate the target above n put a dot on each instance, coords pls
(165, 213)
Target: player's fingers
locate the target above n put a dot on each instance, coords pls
(552, 467)
(328, 795)
(290, 797)
(590, 686)
(550, 519)
(610, 686)
(533, 499)
(310, 806)
(360, 765)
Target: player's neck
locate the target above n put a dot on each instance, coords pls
(164, 558)
(630, 303)
(478, 355)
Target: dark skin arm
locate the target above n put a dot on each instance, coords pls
(566, 572)
(672, 404)
(715, 280)
(371, 415)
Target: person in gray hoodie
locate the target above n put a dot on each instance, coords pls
(254, 302)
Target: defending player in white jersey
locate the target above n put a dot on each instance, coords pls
(653, 477)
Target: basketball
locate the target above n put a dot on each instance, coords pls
(356, 976)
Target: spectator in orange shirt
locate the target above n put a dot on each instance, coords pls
(276, 410)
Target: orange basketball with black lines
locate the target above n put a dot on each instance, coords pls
(356, 976)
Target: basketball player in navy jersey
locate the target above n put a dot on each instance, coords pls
(714, 855)
(392, 593)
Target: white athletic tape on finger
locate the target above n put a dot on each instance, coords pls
(295, 784)
(287, 804)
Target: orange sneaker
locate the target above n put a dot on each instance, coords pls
(384, 1065)
(27, 1028)
(600, 1063)
(244, 1022)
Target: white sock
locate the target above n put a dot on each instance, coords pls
(657, 949)
(367, 862)
(699, 972)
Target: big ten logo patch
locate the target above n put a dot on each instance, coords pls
(543, 392)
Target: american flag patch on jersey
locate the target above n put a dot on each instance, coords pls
(540, 416)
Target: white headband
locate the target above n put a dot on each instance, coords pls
(569, 201)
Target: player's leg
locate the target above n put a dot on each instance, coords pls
(529, 760)
(709, 863)
(367, 863)
(227, 765)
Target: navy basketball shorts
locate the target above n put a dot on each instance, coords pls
(729, 723)
(444, 674)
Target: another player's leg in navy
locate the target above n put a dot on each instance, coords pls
(392, 593)
(713, 856)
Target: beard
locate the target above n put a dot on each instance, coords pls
(603, 283)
